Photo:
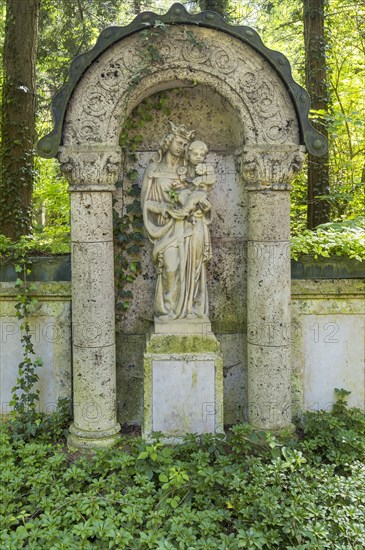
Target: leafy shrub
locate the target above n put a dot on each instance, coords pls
(336, 438)
(51, 240)
(332, 239)
(251, 490)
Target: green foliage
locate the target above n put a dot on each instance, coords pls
(128, 219)
(48, 241)
(253, 490)
(25, 396)
(280, 25)
(332, 239)
(51, 216)
(223, 7)
(51, 208)
(27, 421)
(336, 438)
(69, 28)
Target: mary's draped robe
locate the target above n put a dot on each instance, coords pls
(181, 249)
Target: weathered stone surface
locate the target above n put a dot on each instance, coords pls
(269, 389)
(328, 347)
(188, 55)
(50, 324)
(196, 106)
(271, 167)
(226, 270)
(235, 100)
(93, 294)
(91, 219)
(269, 214)
(177, 213)
(268, 287)
(93, 305)
(183, 385)
(159, 26)
(183, 396)
(94, 395)
(130, 349)
(268, 308)
(318, 309)
(342, 348)
(87, 167)
(234, 352)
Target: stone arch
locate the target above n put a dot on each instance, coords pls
(99, 102)
(128, 64)
(176, 17)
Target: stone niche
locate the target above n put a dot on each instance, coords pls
(203, 108)
(241, 99)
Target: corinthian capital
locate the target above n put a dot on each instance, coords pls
(89, 169)
(267, 168)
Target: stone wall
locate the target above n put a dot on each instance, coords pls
(328, 339)
(327, 351)
(51, 332)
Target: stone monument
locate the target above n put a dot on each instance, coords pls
(183, 390)
(264, 120)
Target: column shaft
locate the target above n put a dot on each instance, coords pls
(93, 320)
(268, 309)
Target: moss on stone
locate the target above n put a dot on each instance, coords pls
(162, 343)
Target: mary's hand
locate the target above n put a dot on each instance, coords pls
(177, 214)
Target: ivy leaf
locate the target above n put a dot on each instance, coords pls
(142, 455)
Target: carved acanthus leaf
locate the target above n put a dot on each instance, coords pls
(264, 168)
(90, 168)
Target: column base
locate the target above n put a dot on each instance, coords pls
(281, 431)
(82, 439)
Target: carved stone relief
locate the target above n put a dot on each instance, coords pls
(177, 215)
(125, 74)
(275, 169)
(90, 167)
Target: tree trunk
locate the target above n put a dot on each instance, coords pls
(18, 117)
(316, 81)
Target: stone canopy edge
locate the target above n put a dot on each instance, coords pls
(48, 146)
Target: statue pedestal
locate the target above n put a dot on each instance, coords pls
(183, 381)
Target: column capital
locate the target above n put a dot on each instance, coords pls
(268, 168)
(90, 168)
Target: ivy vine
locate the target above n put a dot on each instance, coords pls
(25, 397)
(128, 225)
(26, 419)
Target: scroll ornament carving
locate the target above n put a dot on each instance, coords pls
(131, 68)
(90, 168)
(95, 103)
(265, 169)
(218, 56)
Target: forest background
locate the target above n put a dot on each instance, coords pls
(324, 41)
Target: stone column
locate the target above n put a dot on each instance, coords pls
(268, 173)
(92, 175)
